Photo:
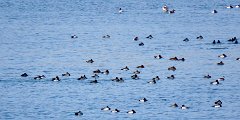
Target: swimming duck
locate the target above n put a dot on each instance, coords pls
(232, 39)
(74, 36)
(237, 58)
(106, 108)
(120, 80)
(97, 71)
(141, 66)
(39, 77)
(95, 76)
(136, 72)
(149, 37)
(106, 36)
(66, 74)
(221, 79)
(217, 105)
(24, 75)
(158, 57)
(106, 72)
(183, 107)
(186, 40)
(152, 82)
(200, 37)
(56, 79)
(236, 42)
(115, 111)
(218, 42)
(120, 10)
(90, 61)
(125, 68)
(237, 6)
(141, 44)
(171, 77)
(220, 63)
(94, 81)
(182, 59)
(175, 105)
(156, 78)
(230, 6)
(216, 82)
(172, 11)
(131, 112)
(164, 8)
(222, 55)
(136, 39)
(174, 58)
(115, 79)
(143, 100)
(214, 11)
(82, 77)
(173, 68)
(207, 76)
(135, 77)
(218, 102)
(214, 42)
(79, 113)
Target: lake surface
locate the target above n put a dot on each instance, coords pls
(35, 37)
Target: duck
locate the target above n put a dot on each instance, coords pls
(24, 75)
(236, 42)
(152, 82)
(120, 80)
(56, 79)
(175, 105)
(79, 113)
(214, 42)
(216, 82)
(186, 40)
(97, 71)
(106, 108)
(207, 76)
(232, 39)
(39, 77)
(115, 111)
(171, 77)
(222, 56)
(237, 6)
(106, 36)
(182, 59)
(143, 100)
(221, 78)
(125, 68)
(217, 105)
(237, 58)
(173, 68)
(136, 39)
(74, 36)
(230, 6)
(200, 37)
(158, 57)
(149, 37)
(156, 78)
(165, 8)
(172, 11)
(120, 10)
(90, 61)
(115, 79)
(183, 107)
(66, 74)
(94, 81)
(95, 76)
(82, 77)
(218, 41)
(136, 72)
(141, 44)
(174, 58)
(135, 77)
(220, 63)
(214, 11)
(131, 111)
(140, 66)
(218, 102)
(106, 72)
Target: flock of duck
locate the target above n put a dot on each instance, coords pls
(135, 75)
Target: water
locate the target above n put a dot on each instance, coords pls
(36, 39)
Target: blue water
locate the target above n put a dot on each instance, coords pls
(35, 37)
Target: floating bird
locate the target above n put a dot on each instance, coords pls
(214, 42)
(143, 100)
(24, 75)
(200, 37)
(214, 11)
(97, 71)
(237, 58)
(156, 78)
(79, 113)
(230, 6)
(39, 77)
(56, 79)
(152, 82)
(141, 44)
(222, 55)
(173, 68)
(120, 10)
(220, 63)
(186, 40)
(125, 68)
(216, 82)
(140, 66)
(115, 111)
(66, 74)
(183, 107)
(221, 79)
(136, 39)
(74, 36)
(174, 105)
(217, 104)
(207, 76)
(82, 77)
(135, 77)
(164, 8)
(171, 77)
(94, 81)
(90, 61)
(149, 37)
(174, 58)
(237, 6)
(158, 57)
(106, 108)
(131, 112)
(136, 72)
(106, 72)
(106, 36)
(172, 11)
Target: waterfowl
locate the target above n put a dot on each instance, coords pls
(171, 77)
(115, 79)
(143, 100)
(79, 113)
(66, 74)
(230, 6)
(200, 37)
(222, 55)
(221, 79)
(149, 37)
(218, 102)
(174, 105)
(172, 11)
(141, 44)
(97, 71)
(39, 77)
(237, 6)
(186, 40)
(24, 75)
(135, 77)
(217, 105)
(164, 8)
(218, 42)
(106, 108)
(216, 82)
(106, 72)
(173, 68)
(207, 76)
(56, 79)
(90, 61)
(214, 11)
(152, 82)
(131, 112)
(182, 59)
(141, 66)
(174, 58)
(120, 80)
(158, 57)
(136, 72)
(115, 111)
(82, 77)
(220, 63)
(183, 107)
(120, 10)
(106, 36)
(94, 81)
(232, 39)
(125, 68)
(74, 36)
(237, 58)
(95, 76)
(136, 39)
(156, 78)
(236, 42)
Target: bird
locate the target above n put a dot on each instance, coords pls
(214, 11)
(39, 77)
(216, 82)
(79, 113)
(172, 11)
(220, 63)
(140, 66)
(82, 77)
(183, 107)
(94, 81)
(74, 36)
(152, 82)
(174, 105)
(131, 111)
(24, 75)
(125, 68)
(149, 37)
(90, 61)
(56, 79)
(106, 36)
(136, 72)
(141, 44)
(200, 37)
(115, 111)
(207, 76)
(186, 40)
(66, 74)
(135, 77)
(106, 108)
(173, 68)
(165, 8)
(158, 57)
(143, 100)
(230, 6)
(222, 55)
(120, 10)
(171, 77)
(136, 39)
